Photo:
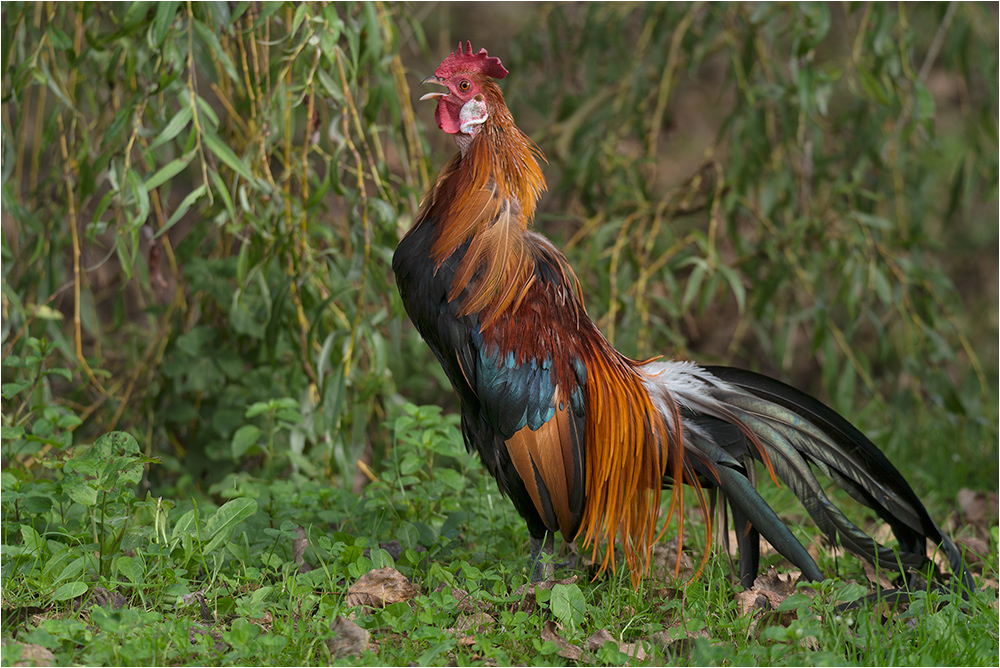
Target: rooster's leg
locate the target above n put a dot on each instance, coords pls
(545, 544)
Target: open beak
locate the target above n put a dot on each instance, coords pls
(432, 96)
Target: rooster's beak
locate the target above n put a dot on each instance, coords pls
(432, 96)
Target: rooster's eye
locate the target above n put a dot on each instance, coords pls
(464, 85)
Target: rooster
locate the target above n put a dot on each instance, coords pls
(581, 438)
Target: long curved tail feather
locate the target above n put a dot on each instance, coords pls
(731, 416)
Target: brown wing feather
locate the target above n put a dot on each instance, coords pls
(545, 457)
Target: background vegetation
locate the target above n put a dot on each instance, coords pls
(205, 361)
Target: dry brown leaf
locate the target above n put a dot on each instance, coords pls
(479, 622)
(104, 598)
(678, 647)
(775, 586)
(975, 550)
(544, 584)
(464, 600)
(667, 566)
(567, 650)
(299, 546)
(217, 641)
(380, 588)
(877, 577)
(768, 592)
(476, 622)
(597, 639)
(265, 621)
(979, 508)
(349, 638)
(31, 655)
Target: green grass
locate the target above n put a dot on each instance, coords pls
(259, 569)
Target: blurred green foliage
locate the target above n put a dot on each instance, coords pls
(200, 202)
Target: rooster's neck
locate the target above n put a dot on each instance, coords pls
(482, 206)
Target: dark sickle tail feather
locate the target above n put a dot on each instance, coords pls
(798, 433)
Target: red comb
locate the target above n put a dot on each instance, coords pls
(467, 60)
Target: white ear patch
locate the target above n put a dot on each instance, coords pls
(473, 113)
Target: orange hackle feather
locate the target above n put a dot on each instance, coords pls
(486, 199)
(489, 203)
(624, 442)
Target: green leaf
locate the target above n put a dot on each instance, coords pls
(168, 171)
(300, 14)
(72, 570)
(735, 284)
(11, 433)
(694, 281)
(9, 390)
(223, 192)
(83, 493)
(117, 124)
(568, 604)
(183, 526)
(258, 408)
(211, 40)
(34, 544)
(869, 220)
(137, 190)
(164, 18)
(222, 524)
(69, 591)
(174, 127)
(136, 13)
(226, 155)
(209, 115)
(131, 567)
(244, 439)
(183, 207)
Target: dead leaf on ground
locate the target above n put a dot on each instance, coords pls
(472, 622)
(265, 621)
(668, 563)
(299, 546)
(598, 638)
(774, 587)
(103, 597)
(979, 508)
(975, 550)
(31, 655)
(567, 650)
(679, 647)
(479, 622)
(100, 596)
(464, 600)
(194, 632)
(349, 638)
(380, 588)
(878, 577)
(199, 597)
(768, 592)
